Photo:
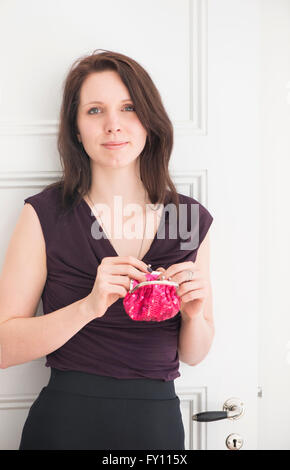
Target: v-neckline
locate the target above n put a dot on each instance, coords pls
(108, 240)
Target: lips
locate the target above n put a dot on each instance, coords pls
(115, 145)
(115, 142)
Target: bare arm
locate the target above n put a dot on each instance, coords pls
(26, 339)
(195, 339)
(196, 334)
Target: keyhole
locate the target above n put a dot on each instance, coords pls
(234, 442)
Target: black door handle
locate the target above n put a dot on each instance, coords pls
(233, 409)
(207, 416)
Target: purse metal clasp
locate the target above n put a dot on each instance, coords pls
(155, 281)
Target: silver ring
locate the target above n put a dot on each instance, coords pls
(190, 275)
(131, 285)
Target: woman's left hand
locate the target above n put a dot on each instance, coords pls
(193, 293)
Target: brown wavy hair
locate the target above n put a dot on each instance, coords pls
(75, 181)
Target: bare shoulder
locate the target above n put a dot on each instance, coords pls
(24, 272)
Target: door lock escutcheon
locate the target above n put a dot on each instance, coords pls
(234, 442)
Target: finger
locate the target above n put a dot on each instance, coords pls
(129, 271)
(164, 275)
(137, 263)
(177, 268)
(183, 277)
(123, 281)
(186, 287)
(162, 270)
(193, 295)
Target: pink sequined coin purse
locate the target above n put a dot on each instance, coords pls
(152, 300)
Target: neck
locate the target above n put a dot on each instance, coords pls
(125, 182)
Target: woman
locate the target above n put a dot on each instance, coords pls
(112, 378)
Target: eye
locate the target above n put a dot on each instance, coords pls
(130, 106)
(126, 106)
(89, 112)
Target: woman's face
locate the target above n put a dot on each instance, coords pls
(112, 120)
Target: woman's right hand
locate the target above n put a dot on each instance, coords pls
(113, 281)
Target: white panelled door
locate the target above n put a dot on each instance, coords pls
(222, 164)
(203, 56)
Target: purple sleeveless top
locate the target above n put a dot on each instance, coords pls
(113, 345)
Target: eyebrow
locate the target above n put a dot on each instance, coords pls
(101, 102)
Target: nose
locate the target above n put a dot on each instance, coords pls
(113, 129)
(112, 123)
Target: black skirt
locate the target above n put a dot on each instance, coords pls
(78, 410)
